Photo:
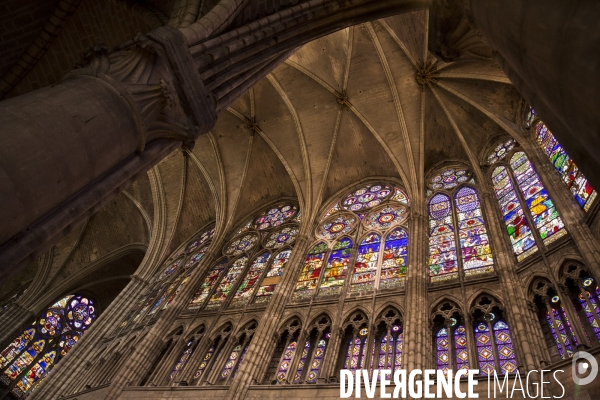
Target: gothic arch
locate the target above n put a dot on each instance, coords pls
(447, 299)
(484, 292)
(389, 304)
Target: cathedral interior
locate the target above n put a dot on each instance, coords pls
(237, 199)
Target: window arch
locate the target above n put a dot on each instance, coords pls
(493, 340)
(254, 273)
(26, 361)
(377, 214)
(284, 356)
(186, 353)
(458, 239)
(236, 357)
(579, 186)
(450, 338)
(584, 293)
(519, 188)
(211, 353)
(353, 352)
(388, 341)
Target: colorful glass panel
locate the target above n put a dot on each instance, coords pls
(244, 292)
(311, 271)
(201, 240)
(443, 264)
(367, 197)
(564, 165)
(51, 323)
(474, 242)
(187, 352)
(332, 210)
(516, 223)
(204, 363)
(196, 257)
(174, 294)
(286, 361)
(386, 217)
(273, 276)
(365, 267)
(317, 361)
(209, 282)
(39, 370)
(227, 283)
(337, 268)
(23, 361)
(504, 347)
(400, 196)
(589, 305)
(501, 150)
(398, 353)
(354, 355)
(282, 237)
(16, 347)
(166, 294)
(337, 227)
(302, 362)
(231, 362)
(543, 212)
(395, 260)
(460, 344)
(241, 245)
(443, 350)
(275, 217)
(450, 178)
(485, 352)
(172, 267)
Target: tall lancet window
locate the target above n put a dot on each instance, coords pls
(26, 361)
(525, 204)
(259, 250)
(563, 164)
(458, 239)
(451, 349)
(362, 244)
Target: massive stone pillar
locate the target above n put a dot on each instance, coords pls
(548, 49)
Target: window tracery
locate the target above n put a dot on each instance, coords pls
(26, 361)
(213, 349)
(237, 353)
(458, 238)
(186, 353)
(450, 338)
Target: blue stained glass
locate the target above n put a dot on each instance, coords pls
(365, 267)
(443, 264)
(395, 259)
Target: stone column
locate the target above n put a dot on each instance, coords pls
(545, 48)
(262, 344)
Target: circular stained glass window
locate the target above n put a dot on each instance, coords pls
(241, 244)
(500, 151)
(363, 332)
(337, 227)
(367, 197)
(67, 342)
(453, 321)
(275, 217)
(588, 282)
(395, 328)
(555, 299)
(196, 257)
(51, 323)
(449, 178)
(205, 237)
(81, 312)
(386, 217)
(282, 237)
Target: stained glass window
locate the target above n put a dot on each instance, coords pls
(395, 259)
(332, 210)
(302, 362)
(460, 345)
(231, 362)
(443, 264)
(227, 283)
(366, 197)
(564, 165)
(196, 257)
(317, 361)
(443, 350)
(337, 227)
(241, 244)
(29, 358)
(474, 242)
(282, 237)
(400, 196)
(204, 363)
(337, 268)
(449, 179)
(203, 239)
(209, 282)
(560, 329)
(399, 349)
(544, 214)
(286, 361)
(309, 277)
(273, 276)
(355, 357)
(365, 267)
(589, 299)
(504, 348)
(485, 352)
(244, 292)
(187, 352)
(516, 223)
(386, 217)
(501, 150)
(275, 217)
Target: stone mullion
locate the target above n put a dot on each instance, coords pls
(301, 341)
(192, 364)
(574, 327)
(570, 211)
(539, 342)
(262, 342)
(219, 358)
(505, 265)
(160, 376)
(331, 353)
(471, 342)
(586, 296)
(150, 345)
(60, 378)
(556, 329)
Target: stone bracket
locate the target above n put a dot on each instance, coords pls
(196, 100)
